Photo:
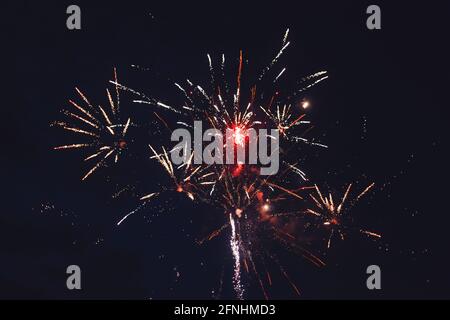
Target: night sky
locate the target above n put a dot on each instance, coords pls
(383, 112)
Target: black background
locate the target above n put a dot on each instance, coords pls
(383, 112)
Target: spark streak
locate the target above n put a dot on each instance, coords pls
(234, 243)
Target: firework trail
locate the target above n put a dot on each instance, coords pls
(235, 248)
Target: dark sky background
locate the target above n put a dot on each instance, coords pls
(383, 112)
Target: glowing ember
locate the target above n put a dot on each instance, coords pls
(122, 144)
(305, 104)
(239, 136)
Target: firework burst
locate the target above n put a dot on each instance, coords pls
(104, 134)
(333, 215)
(239, 189)
(252, 204)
